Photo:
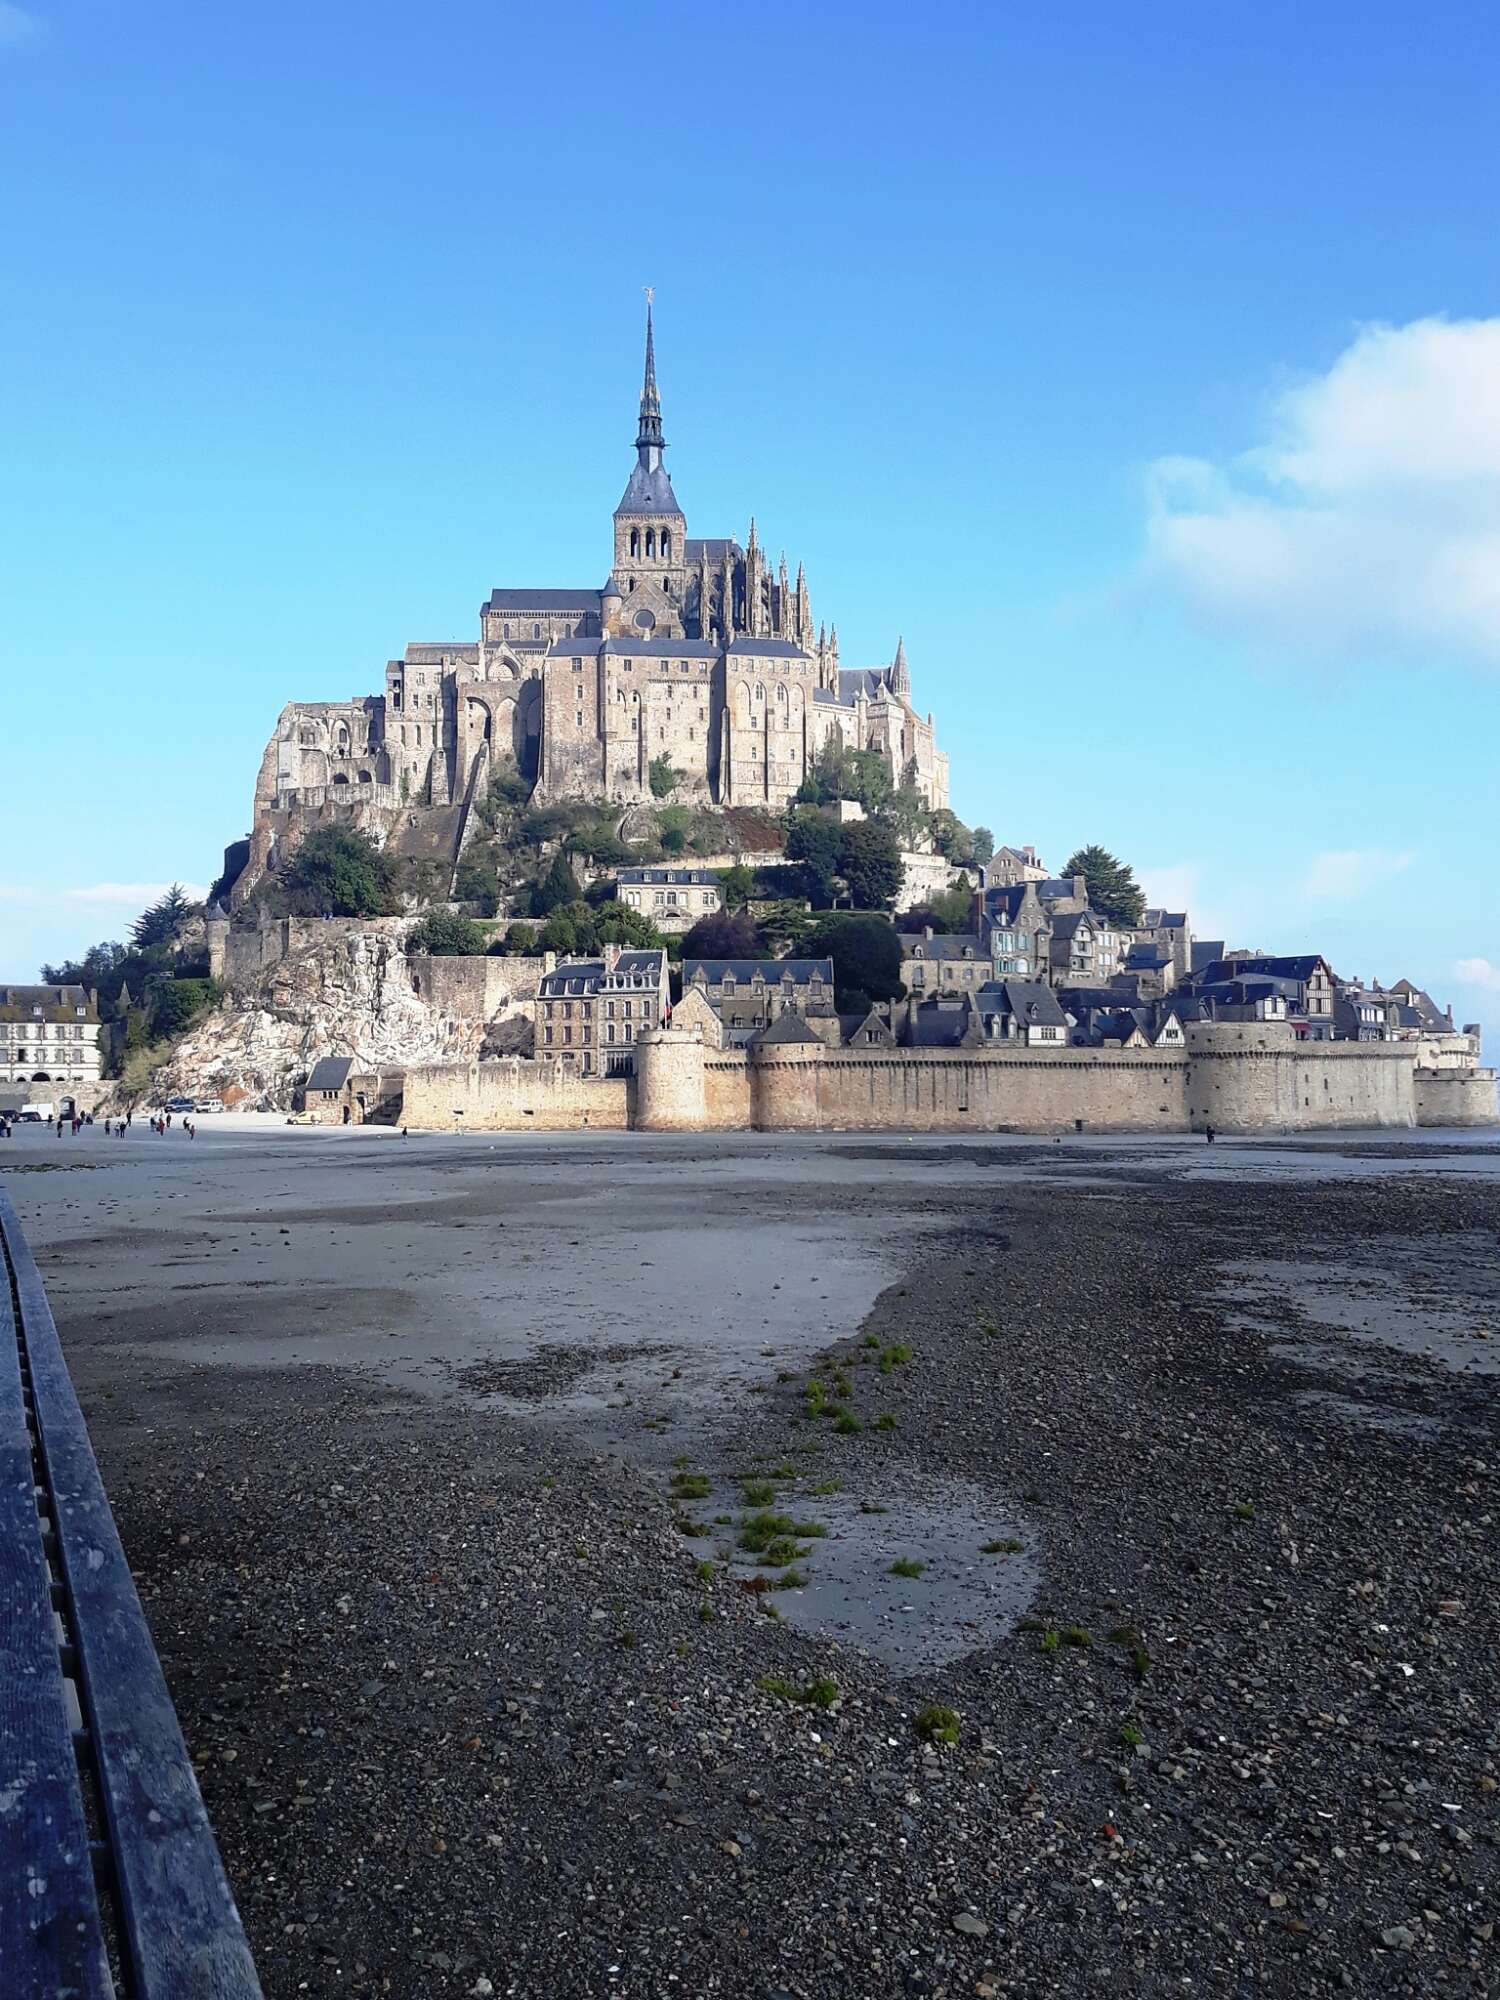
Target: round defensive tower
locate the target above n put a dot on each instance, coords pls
(784, 1080)
(669, 1081)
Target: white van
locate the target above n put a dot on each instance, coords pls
(38, 1110)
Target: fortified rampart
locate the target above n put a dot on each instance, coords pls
(1456, 1097)
(1236, 1077)
(513, 1095)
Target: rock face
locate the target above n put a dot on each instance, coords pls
(353, 995)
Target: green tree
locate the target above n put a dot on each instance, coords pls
(178, 1002)
(737, 884)
(507, 786)
(557, 888)
(906, 810)
(560, 933)
(162, 923)
(664, 778)
(867, 778)
(617, 923)
(784, 926)
(866, 954)
(724, 934)
(477, 882)
(1113, 889)
(446, 934)
(984, 846)
(814, 839)
(520, 938)
(337, 872)
(824, 783)
(870, 862)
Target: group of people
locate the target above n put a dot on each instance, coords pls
(114, 1128)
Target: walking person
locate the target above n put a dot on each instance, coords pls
(1208, 1134)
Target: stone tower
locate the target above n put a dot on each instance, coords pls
(650, 569)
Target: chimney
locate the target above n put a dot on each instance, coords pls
(1081, 888)
(611, 957)
(927, 931)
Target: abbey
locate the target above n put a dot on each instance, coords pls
(695, 655)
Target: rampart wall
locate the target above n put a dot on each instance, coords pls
(1456, 1097)
(513, 1095)
(1255, 1077)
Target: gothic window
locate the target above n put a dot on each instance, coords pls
(651, 541)
(635, 545)
(536, 631)
(666, 544)
(760, 692)
(507, 631)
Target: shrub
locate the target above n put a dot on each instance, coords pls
(446, 934)
(337, 872)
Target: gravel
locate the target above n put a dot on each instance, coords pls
(471, 1718)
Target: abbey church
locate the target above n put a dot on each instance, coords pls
(694, 654)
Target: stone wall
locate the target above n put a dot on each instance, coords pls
(476, 989)
(513, 1095)
(1253, 1076)
(1250, 1077)
(1456, 1097)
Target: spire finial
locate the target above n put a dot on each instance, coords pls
(649, 437)
(900, 673)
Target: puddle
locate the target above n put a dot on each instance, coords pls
(962, 1599)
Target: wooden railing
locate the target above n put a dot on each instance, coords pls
(111, 1886)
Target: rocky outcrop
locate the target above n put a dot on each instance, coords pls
(351, 995)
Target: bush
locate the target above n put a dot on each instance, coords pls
(337, 872)
(664, 778)
(815, 839)
(445, 934)
(520, 938)
(178, 1002)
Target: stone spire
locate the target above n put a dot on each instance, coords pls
(648, 437)
(804, 608)
(900, 674)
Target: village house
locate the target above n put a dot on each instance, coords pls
(931, 962)
(673, 898)
(589, 1011)
(48, 1034)
(749, 993)
(1011, 920)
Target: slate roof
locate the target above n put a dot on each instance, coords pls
(955, 945)
(330, 1073)
(543, 600)
(675, 878)
(1163, 920)
(871, 681)
(935, 1026)
(1003, 902)
(648, 492)
(771, 970)
(1033, 1002)
(769, 649)
(787, 1027)
(57, 1003)
(695, 548)
(1148, 957)
(1301, 967)
(576, 977)
(1054, 888)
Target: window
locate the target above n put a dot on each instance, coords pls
(666, 544)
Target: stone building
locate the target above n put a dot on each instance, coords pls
(48, 1035)
(931, 963)
(673, 898)
(696, 653)
(750, 993)
(589, 1011)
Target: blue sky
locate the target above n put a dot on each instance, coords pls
(1141, 366)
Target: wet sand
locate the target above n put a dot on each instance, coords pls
(392, 1429)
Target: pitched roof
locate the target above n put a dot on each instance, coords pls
(648, 491)
(330, 1073)
(787, 1027)
(1033, 1002)
(932, 1025)
(1300, 967)
(53, 1003)
(673, 877)
(543, 600)
(769, 649)
(583, 976)
(696, 547)
(633, 648)
(953, 945)
(1163, 920)
(772, 970)
(870, 681)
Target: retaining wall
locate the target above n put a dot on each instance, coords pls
(1456, 1097)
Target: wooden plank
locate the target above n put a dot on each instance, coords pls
(181, 1926)
(50, 1940)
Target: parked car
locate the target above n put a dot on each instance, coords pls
(304, 1118)
(209, 1104)
(28, 1117)
(181, 1104)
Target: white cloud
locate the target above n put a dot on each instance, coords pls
(1369, 518)
(1478, 972)
(16, 25)
(1341, 874)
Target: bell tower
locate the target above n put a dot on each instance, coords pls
(650, 569)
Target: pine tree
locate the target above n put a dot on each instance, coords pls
(1113, 889)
